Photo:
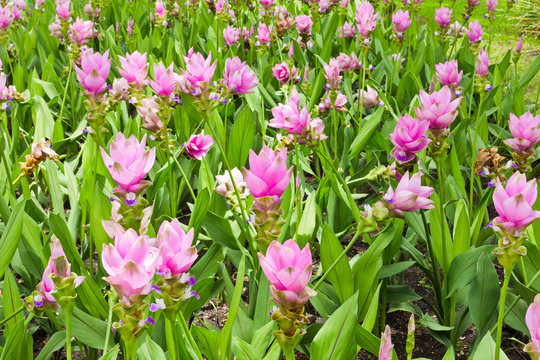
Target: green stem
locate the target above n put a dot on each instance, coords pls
(473, 160)
(130, 348)
(435, 266)
(112, 300)
(11, 316)
(172, 338)
(289, 354)
(65, 92)
(172, 197)
(68, 334)
(297, 191)
(507, 274)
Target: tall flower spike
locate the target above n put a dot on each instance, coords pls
(385, 351)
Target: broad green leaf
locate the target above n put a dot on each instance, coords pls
(308, 222)
(54, 343)
(486, 350)
(241, 138)
(149, 349)
(364, 135)
(111, 354)
(11, 236)
(462, 270)
(11, 301)
(341, 275)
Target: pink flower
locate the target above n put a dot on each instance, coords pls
(238, 76)
(370, 98)
(438, 108)
(231, 35)
(410, 195)
(520, 44)
(198, 145)
(385, 351)
(131, 263)
(366, 18)
(331, 73)
(5, 17)
(303, 24)
(267, 174)
(149, 110)
(134, 68)
(199, 70)
(246, 35)
(346, 31)
(80, 31)
(409, 138)
(263, 33)
(474, 32)
(129, 162)
(339, 104)
(62, 8)
(290, 117)
(525, 131)
(401, 21)
(532, 319)
(165, 80)
(491, 5)
(283, 74)
(16, 12)
(266, 4)
(160, 9)
(344, 62)
(289, 270)
(514, 204)
(225, 183)
(443, 16)
(176, 250)
(94, 72)
(482, 64)
(448, 73)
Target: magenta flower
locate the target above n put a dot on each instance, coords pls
(443, 17)
(266, 4)
(80, 31)
(303, 24)
(482, 64)
(231, 35)
(491, 5)
(267, 174)
(62, 8)
(199, 70)
(448, 73)
(160, 9)
(525, 130)
(134, 68)
(263, 33)
(366, 18)
(290, 117)
(131, 264)
(520, 44)
(165, 80)
(409, 138)
(346, 31)
(514, 204)
(410, 195)
(331, 73)
(176, 250)
(283, 74)
(129, 162)
(532, 319)
(5, 17)
(238, 76)
(289, 270)
(94, 71)
(16, 12)
(401, 21)
(438, 108)
(474, 32)
(385, 351)
(198, 145)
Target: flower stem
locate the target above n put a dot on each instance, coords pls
(68, 334)
(11, 316)
(112, 300)
(289, 354)
(172, 338)
(507, 274)
(172, 196)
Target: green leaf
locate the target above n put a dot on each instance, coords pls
(396, 268)
(530, 73)
(54, 187)
(241, 138)
(11, 236)
(484, 294)
(13, 342)
(202, 204)
(207, 340)
(462, 270)
(486, 350)
(336, 339)
(462, 229)
(341, 276)
(54, 343)
(111, 354)
(149, 349)
(308, 222)
(11, 301)
(365, 134)
(44, 122)
(89, 330)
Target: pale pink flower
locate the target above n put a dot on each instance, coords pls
(370, 98)
(526, 132)
(448, 73)
(331, 73)
(149, 110)
(409, 138)
(283, 73)
(440, 108)
(80, 31)
(347, 31)
(238, 77)
(401, 21)
(482, 64)
(176, 249)
(365, 18)
(385, 351)
(231, 35)
(165, 80)
(532, 319)
(199, 70)
(263, 33)
(443, 17)
(5, 17)
(94, 71)
(303, 24)
(268, 174)
(409, 195)
(134, 68)
(198, 145)
(474, 32)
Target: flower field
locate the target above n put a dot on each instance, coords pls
(265, 180)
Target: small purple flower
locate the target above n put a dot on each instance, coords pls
(156, 289)
(192, 281)
(489, 87)
(159, 304)
(150, 320)
(194, 293)
(38, 303)
(131, 199)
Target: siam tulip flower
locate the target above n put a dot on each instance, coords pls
(149, 110)
(482, 64)
(5, 17)
(370, 98)
(62, 9)
(339, 103)
(199, 70)
(323, 5)
(514, 204)
(165, 80)
(439, 108)
(448, 73)
(409, 195)
(176, 250)
(246, 35)
(366, 18)
(16, 12)
(221, 6)
(129, 163)
(266, 4)
(303, 24)
(491, 5)
(474, 32)
(331, 73)
(520, 44)
(347, 31)
(344, 3)
(268, 174)
(134, 68)
(283, 73)
(263, 33)
(80, 31)
(289, 270)
(238, 77)
(344, 62)
(119, 90)
(94, 71)
(225, 184)
(198, 145)
(526, 132)
(409, 138)
(21, 4)
(131, 264)
(401, 21)
(160, 9)
(231, 35)
(385, 351)
(443, 17)
(532, 319)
